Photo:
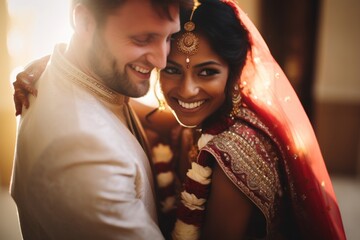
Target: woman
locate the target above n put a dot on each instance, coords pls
(257, 147)
(257, 171)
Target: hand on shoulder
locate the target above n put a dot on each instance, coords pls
(25, 81)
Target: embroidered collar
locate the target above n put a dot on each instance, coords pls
(92, 85)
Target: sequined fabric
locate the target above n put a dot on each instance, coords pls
(250, 159)
(266, 90)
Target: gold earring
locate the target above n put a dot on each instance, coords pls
(236, 101)
(157, 91)
(159, 97)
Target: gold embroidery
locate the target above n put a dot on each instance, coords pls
(250, 160)
(251, 117)
(92, 85)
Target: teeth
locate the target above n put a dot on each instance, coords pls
(141, 70)
(190, 105)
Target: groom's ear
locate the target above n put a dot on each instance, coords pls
(83, 21)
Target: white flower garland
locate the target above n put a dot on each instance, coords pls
(204, 139)
(185, 231)
(168, 204)
(201, 175)
(162, 154)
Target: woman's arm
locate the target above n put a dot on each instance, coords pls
(24, 83)
(228, 210)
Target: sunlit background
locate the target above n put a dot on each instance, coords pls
(30, 28)
(34, 27)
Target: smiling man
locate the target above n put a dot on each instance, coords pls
(80, 172)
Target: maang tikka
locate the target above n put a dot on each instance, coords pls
(188, 43)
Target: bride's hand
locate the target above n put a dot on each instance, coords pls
(25, 81)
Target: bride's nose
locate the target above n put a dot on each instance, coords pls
(189, 88)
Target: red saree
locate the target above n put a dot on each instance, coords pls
(267, 92)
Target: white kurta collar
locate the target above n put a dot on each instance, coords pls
(92, 85)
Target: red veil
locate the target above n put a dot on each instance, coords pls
(267, 91)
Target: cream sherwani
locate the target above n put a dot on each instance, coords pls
(79, 173)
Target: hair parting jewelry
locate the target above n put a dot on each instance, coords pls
(188, 43)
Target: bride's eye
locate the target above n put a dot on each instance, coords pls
(171, 70)
(208, 72)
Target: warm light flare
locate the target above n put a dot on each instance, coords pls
(35, 27)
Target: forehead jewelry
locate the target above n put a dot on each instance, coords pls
(188, 43)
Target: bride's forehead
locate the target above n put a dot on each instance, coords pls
(203, 47)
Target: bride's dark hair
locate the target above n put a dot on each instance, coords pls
(219, 24)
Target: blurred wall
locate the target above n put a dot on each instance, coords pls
(7, 116)
(27, 33)
(337, 90)
(251, 8)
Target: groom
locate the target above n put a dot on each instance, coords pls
(79, 171)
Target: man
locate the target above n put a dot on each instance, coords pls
(79, 171)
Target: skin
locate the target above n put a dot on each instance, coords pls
(196, 92)
(204, 81)
(228, 210)
(120, 56)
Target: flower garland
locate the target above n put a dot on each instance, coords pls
(162, 160)
(191, 209)
(196, 188)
